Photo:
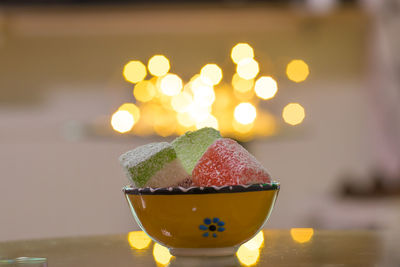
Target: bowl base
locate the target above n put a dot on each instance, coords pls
(208, 252)
(201, 261)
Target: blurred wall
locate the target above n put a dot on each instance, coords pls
(61, 72)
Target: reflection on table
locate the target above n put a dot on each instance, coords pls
(248, 254)
(294, 247)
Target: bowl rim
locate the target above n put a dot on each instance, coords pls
(130, 190)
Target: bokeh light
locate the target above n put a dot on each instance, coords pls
(224, 99)
(194, 77)
(302, 235)
(167, 105)
(171, 84)
(244, 96)
(266, 124)
(138, 239)
(181, 102)
(158, 65)
(199, 113)
(203, 96)
(247, 68)
(132, 109)
(185, 119)
(180, 129)
(245, 113)
(209, 121)
(266, 87)
(247, 256)
(165, 101)
(196, 83)
(241, 51)
(256, 242)
(161, 254)
(211, 74)
(225, 123)
(156, 81)
(134, 71)
(149, 111)
(144, 91)
(297, 70)
(242, 128)
(293, 114)
(242, 85)
(165, 123)
(122, 121)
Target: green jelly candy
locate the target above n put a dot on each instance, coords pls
(143, 165)
(192, 145)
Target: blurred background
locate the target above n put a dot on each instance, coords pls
(311, 88)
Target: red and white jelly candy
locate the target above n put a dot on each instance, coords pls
(227, 163)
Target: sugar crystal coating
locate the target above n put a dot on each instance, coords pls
(153, 165)
(227, 163)
(192, 145)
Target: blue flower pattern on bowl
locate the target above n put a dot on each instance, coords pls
(210, 227)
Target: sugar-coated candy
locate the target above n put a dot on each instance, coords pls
(227, 163)
(192, 145)
(153, 165)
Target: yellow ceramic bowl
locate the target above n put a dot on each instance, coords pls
(202, 220)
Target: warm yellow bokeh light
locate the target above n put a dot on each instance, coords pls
(225, 120)
(242, 128)
(171, 84)
(158, 65)
(244, 96)
(247, 256)
(185, 119)
(256, 242)
(266, 87)
(195, 77)
(301, 235)
(144, 91)
(242, 85)
(266, 124)
(180, 129)
(209, 121)
(211, 74)
(132, 109)
(247, 68)
(138, 239)
(165, 123)
(169, 106)
(224, 99)
(196, 83)
(203, 96)
(297, 70)
(165, 101)
(241, 51)
(245, 113)
(122, 121)
(156, 81)
(148, 111)
(134, 71)
(181, 102)
(187, 88)
(199, 113)
(161, 254)
(293, 113)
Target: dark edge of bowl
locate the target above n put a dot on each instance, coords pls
(201, 190)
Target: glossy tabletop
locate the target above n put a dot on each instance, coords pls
(295, 247)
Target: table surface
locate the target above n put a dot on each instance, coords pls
(295, 247)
